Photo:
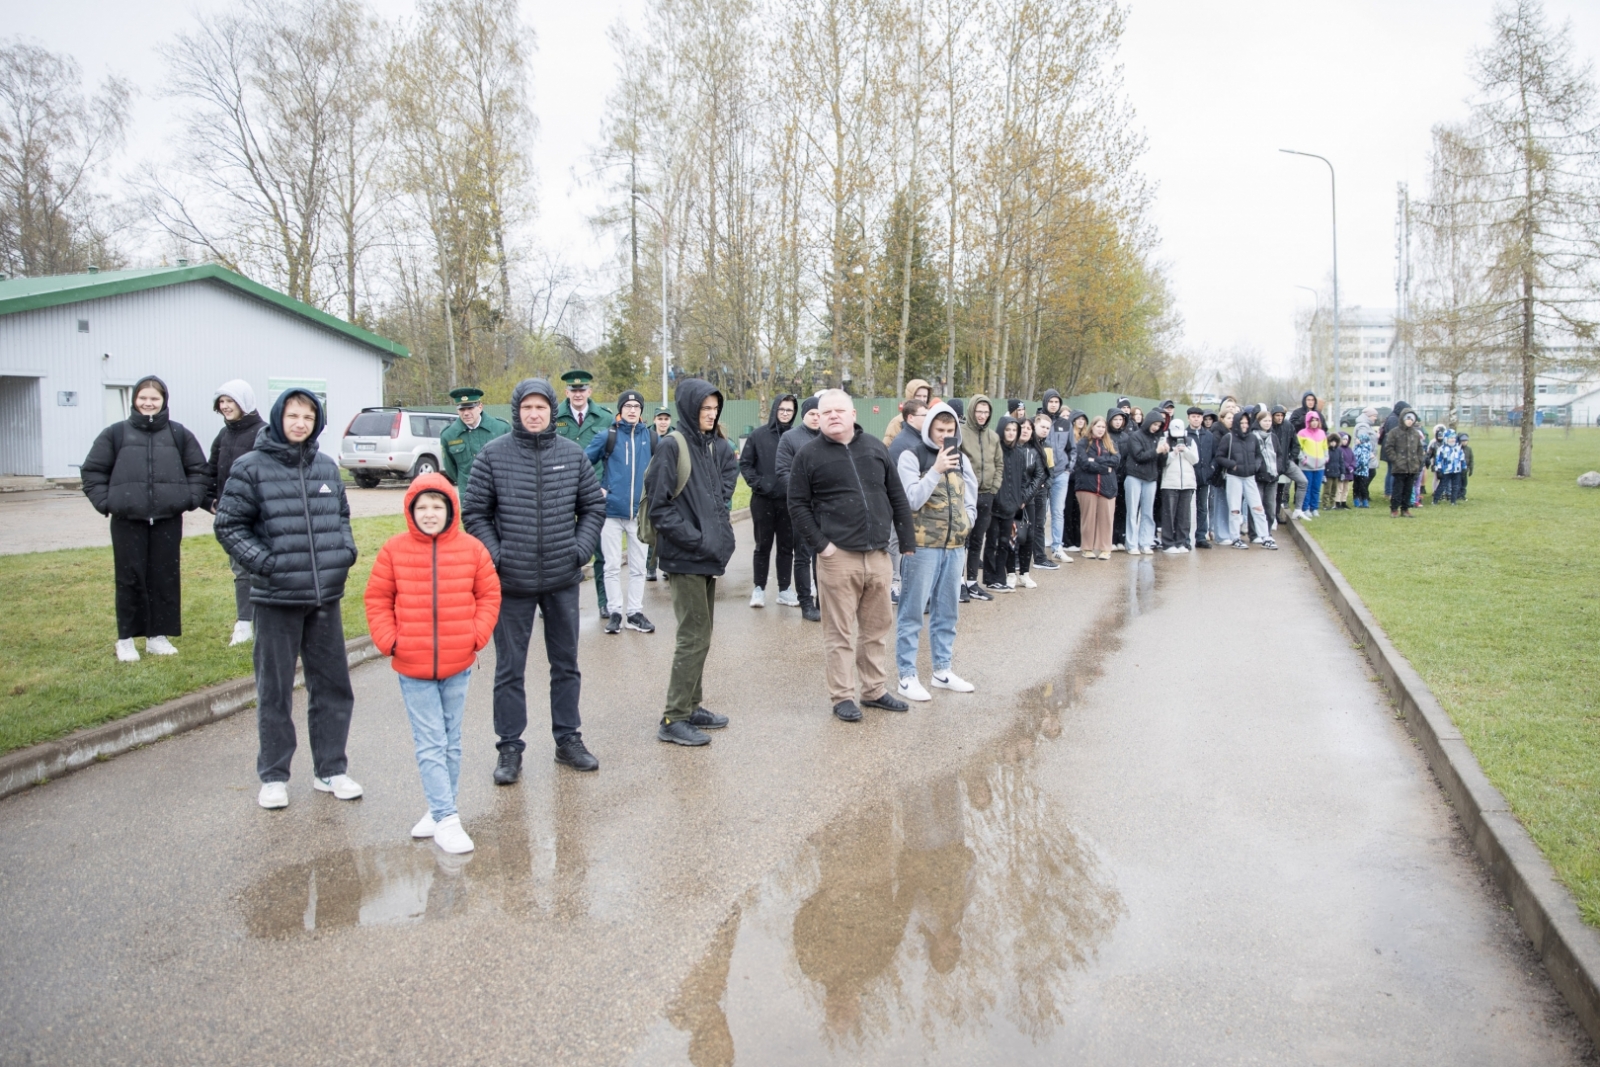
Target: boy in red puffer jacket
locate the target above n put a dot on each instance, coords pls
(432, 602)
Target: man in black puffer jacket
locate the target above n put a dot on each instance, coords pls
(284, 518)
(536, 505)
(694, 542)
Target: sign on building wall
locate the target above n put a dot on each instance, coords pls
(276, 387)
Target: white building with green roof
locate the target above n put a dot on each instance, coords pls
(71, 347)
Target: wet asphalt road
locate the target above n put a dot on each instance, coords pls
(1121, 850)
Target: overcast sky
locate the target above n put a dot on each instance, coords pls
(1218, 88)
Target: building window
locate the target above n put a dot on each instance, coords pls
(83, 325)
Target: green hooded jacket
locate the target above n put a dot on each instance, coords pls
(981, 446)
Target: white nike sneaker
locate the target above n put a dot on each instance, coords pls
(341, 786)
(788, 598)
(758, 597)
(1026, 581)
(952, 681)
(273, 795)
(159, 646)
(449, 836)
(243, 633)
(911, 689)
(425, 826)
(126, 651)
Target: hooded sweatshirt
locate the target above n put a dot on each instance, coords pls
(1139, 456)
(1393, 420)
(1238, 452)
(284, 518)
(1313, 443)
(432, 599)
(147, 467)
(1404, 447)
(982, 445)
(943, 506)
(758, 463)
(694, 534)
(898, 423)
(1011, 495)
(1297, 420)
(235, 438)
(535, 503)
(791, 442)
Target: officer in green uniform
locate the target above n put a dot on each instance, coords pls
(463, 439)
(578, 420)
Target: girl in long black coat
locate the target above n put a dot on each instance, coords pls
(144, 473)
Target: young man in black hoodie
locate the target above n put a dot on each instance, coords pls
(769, 510)
(694, 539)
(535, 503)
(235, 401)
(284, 517)
(844, 496)
(804, 432)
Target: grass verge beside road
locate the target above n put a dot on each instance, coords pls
(59, 674)
(1496, 603)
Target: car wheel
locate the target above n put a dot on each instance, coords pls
(425, 465)
(367, 481)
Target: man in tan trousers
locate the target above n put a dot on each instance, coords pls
(844, 499)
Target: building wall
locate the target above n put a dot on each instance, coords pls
(195, 336)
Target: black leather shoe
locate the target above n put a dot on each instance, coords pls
(847, 710)
(681, 733)
(613, 623)
(576, 756)
(810, 612)
(706, 719)
(887, 701)
(509, 769)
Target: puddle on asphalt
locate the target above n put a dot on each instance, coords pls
(958, 909)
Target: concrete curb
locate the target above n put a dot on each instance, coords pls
(37, 764)
(1548, 914)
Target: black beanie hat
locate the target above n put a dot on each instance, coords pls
(808, 404)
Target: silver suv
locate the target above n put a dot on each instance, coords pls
(392, 443)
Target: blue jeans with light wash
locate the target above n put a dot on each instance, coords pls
(930, 578)
(435, 708)
(1060, 488)
(1141, 531)
(1313, 498)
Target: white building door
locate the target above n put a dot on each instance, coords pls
(117, 402)
(21, 428)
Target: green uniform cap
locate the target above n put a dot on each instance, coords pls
(467, 395)
(577, 377)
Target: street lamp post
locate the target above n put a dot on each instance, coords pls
(1338, 341)
(666, 336)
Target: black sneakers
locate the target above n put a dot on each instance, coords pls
(509, 769)
(1046, 565)
(637, 621)
(706, 719)
(976, 592)
(965, 596)
(847, 710)
(574, 754)
(681, 733)
(809, 611)
(887, 701)
(613, 623)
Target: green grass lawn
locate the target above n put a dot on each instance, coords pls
(741, 495)
(1496, 602)
(59, 673)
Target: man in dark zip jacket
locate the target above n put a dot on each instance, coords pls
(694, 542)
(844, 497)
(235, 401)
(805, 431)
(284, 518)
(536, 505)
(769, 509)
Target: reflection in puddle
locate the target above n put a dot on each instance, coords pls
(947, 911)
(375, 886)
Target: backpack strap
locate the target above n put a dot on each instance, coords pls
(611, 442)
(683, 462)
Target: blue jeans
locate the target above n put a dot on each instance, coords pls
(929, 578)
(1141, 532)
(1313, 498)
(1060, 484)
(435, 708)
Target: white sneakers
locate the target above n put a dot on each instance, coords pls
(788, 598)
(449, 836)
(342, 786)
(758, 597)
(243, 633)
(126, 653)
(1027, 582)
(1011, 579)
(425, 826)
(911, 689)
(273, 795)
(159, 646)
(951, 681)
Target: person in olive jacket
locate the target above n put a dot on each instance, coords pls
(694, 542)
(235, 401)
(145, 472)
(1404, 450)
(536, 505)
(284, 518)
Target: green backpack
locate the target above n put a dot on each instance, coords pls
(647, 532)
